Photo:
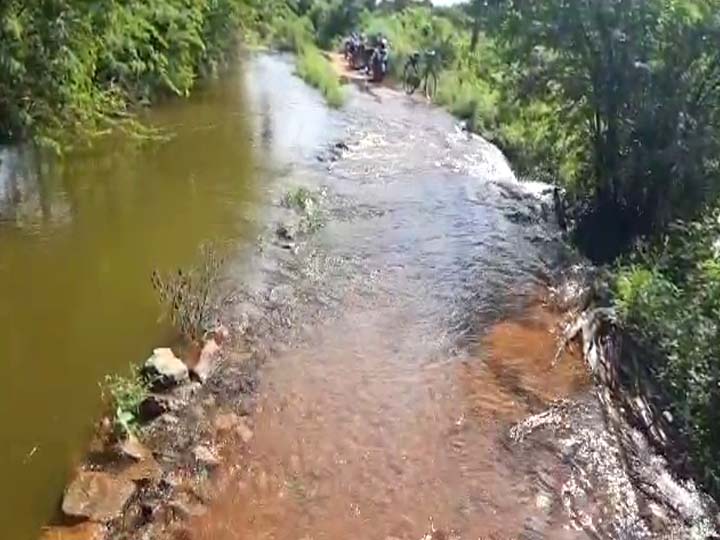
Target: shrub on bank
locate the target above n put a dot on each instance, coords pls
(669, 299)
(125, 395)
(70, 69)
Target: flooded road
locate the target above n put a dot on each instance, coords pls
(404, 339)
(388, 268)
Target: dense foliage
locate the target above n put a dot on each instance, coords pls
(72, 68)
(641, 81)
(670, 301)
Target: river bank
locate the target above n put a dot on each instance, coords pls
(392, 372)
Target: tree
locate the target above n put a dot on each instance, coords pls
(643, 78)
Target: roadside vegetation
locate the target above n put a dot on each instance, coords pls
(186, 295)
(71, 70)
(296, 34)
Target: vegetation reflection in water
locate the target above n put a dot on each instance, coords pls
(78, 243)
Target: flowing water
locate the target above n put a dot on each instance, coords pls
(403, 339)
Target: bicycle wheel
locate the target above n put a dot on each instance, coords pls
(411, 79)
(431, 84)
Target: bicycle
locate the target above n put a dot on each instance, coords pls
(413, 77)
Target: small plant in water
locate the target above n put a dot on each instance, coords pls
(186, 295)
(301, 199)
(306, 203)
(125, 394)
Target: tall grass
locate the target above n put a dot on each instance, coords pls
(296, 35)
(317, 71)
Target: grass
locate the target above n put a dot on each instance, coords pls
(296, 35)
(300, 199)
(186, 295)
(307, 205)
(316, 70)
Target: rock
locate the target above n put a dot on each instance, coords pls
(209, 402)
(286, 232)
(84, 531)
(227, 422)
(245, 433)
(185, 393)
(220, 334)
(147, 469)
(543, 501)
(203, 490)
(170, 481)
(203, 369)
(151, 408)
(186, 510)
(97, 496)
(169, 419)
(134, 449)
(204, 456)
(656, 517)
(166, 369)
(158, 404)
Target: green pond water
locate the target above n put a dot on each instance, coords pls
(79, 239)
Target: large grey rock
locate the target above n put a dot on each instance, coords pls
(97, 496)
(166, 369)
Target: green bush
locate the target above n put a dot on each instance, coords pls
(410, 30)
(125, 395)
(293, 34)
(70, 69)
(307, 205)
(332, 18)
(670, 301)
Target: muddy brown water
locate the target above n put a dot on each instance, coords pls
(78, 240)
(404, 338)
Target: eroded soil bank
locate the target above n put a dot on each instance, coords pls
(405, 320)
